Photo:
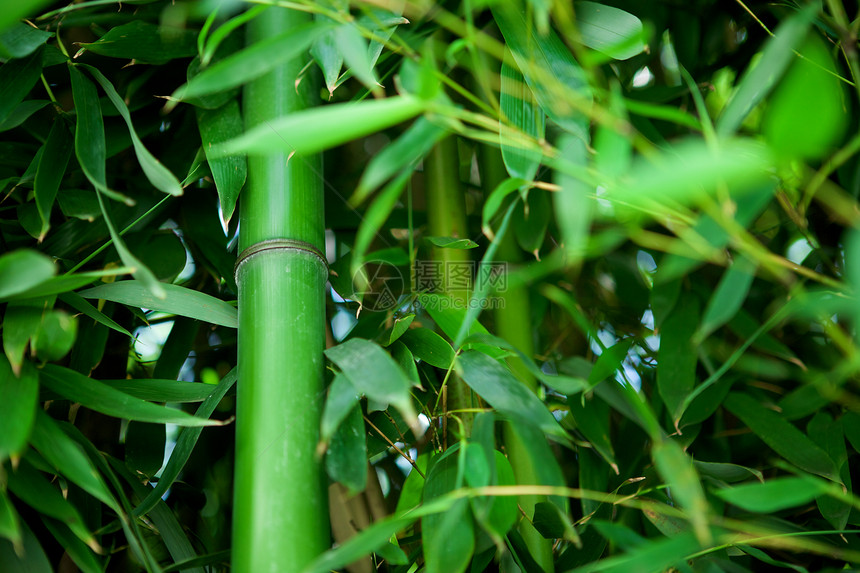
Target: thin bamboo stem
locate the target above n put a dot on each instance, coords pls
(280, 520)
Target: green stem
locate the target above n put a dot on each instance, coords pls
(513, 323)
(446, 213)
(280, 519)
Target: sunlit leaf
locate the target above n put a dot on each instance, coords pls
(607, 29)
(178, 300)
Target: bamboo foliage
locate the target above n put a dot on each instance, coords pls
(573, 290)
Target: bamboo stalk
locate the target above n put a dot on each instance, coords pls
(280, 520)
(513, 323)
(446, 214)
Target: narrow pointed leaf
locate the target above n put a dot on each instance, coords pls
(250, 63)
(428, 346)
(17, 78)
(90, 146)
(519, 111)
(573, 202)
(185, 445)
(102, 398)
(406, 151)
(607, 29)
(20, 40)
(10, 523)
(785, 439)
(230, 172)
(144, 42)
(69, 459)
(677, 470)
(139, 271)
(729, 296)
(329, 59)
(677, 358)
(501, 389)
(178, 300)
(342, 399)
(554, 77)
(22, 270)
(762, 76)
(375, 374)
(52, 167)
(159, 175)
(18, 404)
(774, 494)
(354, 50)
(80, 553)
(319, 129)
(153, 390)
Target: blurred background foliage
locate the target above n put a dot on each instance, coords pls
(672, 185)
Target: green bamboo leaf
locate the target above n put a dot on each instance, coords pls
(405, 152)
(761, 77)
(373, 373)
(727, 472)
(65, 283)
(229, 173)
(139, 270)
(678, 357)
(145, 43)
(78, 303)
(785, 439)
(346, 457)
(153, 390)
(655, 555)
(496, 199)
(18, 399)
(224, 30)
(375, 217)
(401, 325)
(677, 470)
(428, 346)
(21, 270)
(614, 32)
(159, 175)
(691, 172)
(448, 538)
(609, 362)
(774, 494)
(342, 399)
(81, 554)
(10, 523)
(52, 167)
(664, 112)
(34, 560)
(178, 300)
(573, 202)
(613, 150)
(185, 445)
(804, 116)
(32, 488)
(20, 324)
(560, 383)
(328, 58)
(102, 398)
(497, 515)
(250, 63)
(557, 81)
(355, 53)
(552, 523)
(17, 78)
(591, 417)
(55, 335)
(451, 242)
(90, 146)
(322, 128)
(21, 40)
(519, 111)
(22, 113)
(501, 389)
(69, 459)
(729, 296)
(531, 220)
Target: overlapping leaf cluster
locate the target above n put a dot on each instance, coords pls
(665, 378)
